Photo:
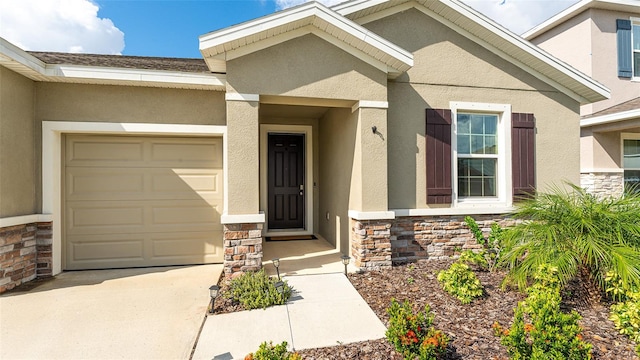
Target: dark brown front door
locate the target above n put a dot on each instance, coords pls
(286, 181)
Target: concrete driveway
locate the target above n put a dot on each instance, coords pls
(150, 313)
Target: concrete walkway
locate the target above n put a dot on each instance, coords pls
(326, 310)
(150, 313)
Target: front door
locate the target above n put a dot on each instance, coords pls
(286, 181)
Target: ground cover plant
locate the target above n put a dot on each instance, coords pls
(257, 290)
(413, 334)
(273, 352)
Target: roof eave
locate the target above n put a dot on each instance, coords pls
(610, 118)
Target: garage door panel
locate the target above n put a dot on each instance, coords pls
(139, 201)
(192, 245)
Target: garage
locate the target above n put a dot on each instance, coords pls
(134, 201)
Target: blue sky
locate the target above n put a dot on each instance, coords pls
(171, 28)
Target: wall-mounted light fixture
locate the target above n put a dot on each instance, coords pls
(374, 129)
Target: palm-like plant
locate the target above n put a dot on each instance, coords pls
(575, 232)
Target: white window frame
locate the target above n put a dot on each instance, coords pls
(634, 22)
(623, 137)
(504, 180)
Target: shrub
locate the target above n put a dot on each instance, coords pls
(626, 313)
(540, 330)
(257, 290)
(461, 282)
(413, 335)
(273, 352)
(492, 245)
(575, 232)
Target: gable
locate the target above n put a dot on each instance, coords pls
(442, 56)
(307, 66)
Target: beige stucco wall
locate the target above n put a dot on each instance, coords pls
(105, 103)
(17, 146)
(449, 67)
(338, 181)
(601, 146)
(306, 67)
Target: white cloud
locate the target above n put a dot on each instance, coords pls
(59, 25)
(516, 15)
(519, 15)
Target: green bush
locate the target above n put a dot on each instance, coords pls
(626, 313)
(413, 335)
(474, 258)
(257, 290)
(492, 245)
(540, 331)
(461, 282)
(273, 352)
(574, 231)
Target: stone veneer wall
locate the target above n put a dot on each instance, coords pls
(242, 248)
(603, 184)
(377, 244)
(25, 254)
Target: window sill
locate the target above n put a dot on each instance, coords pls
(459, 210)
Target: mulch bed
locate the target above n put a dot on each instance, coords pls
(468, 326)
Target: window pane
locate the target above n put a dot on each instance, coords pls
(477, 125)
(476, 177)
(490, 124)
(490, 145)
(477, 144)
(463, 124)
(631, 154)
(463, 144)
(636, 37)
(632, 181)
(636, 64)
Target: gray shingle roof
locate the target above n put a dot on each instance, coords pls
(632, 104)
(121, 61)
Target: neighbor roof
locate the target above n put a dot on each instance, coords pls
(579, 7)
(494, 37)
(623, 111)
(219, 46)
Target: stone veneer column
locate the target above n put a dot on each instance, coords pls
(242, 248)
(371, 244)
(22, 249)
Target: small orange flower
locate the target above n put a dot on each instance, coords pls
(528, 327)
(505, 332)
(431, 341)
(579, 336)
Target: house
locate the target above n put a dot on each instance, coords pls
(377, 125)
(601, 38)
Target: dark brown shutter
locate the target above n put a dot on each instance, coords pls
(438, 155)
(523, 128)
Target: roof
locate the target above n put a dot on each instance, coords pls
(110, 69)
(620, 112)
(494, 37)
(219, 46)
(122, 61)
(632, 6)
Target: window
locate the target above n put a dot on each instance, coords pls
(631, 164)
(477, 155)
(468, 155)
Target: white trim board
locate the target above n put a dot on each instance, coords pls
(307, 130)
(24, 219)
(52, 132)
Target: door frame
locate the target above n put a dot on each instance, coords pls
(306, 130)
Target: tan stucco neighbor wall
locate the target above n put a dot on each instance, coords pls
(306, 67)
(337, 138)
(449, 67)
(18, 165)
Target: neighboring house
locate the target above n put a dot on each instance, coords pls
(377, 125)
(601, 38)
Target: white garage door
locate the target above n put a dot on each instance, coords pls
(142, 201)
